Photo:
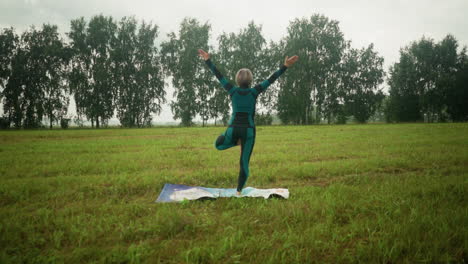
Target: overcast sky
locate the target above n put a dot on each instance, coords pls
(389, 24)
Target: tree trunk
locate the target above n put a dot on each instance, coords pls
(97, 121)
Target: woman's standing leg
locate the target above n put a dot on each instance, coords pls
(247, 144)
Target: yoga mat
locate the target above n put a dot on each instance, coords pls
(178, 193)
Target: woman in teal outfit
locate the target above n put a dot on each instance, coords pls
(241, 130)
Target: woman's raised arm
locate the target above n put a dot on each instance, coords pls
(206, 57)
(288, 62)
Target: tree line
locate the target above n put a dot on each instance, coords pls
(116, 68)
(429, 83)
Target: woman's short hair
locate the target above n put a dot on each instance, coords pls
(244, 78)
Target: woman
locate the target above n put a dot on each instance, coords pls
(241, 130)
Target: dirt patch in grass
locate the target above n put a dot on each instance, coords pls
(398, 170)
(320, 159)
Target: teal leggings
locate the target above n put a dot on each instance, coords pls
(229, 139)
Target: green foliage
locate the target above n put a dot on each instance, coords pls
(457, 92)
(362, 74)
(35, 85)
(331, 80)
(312, 84)
(189, 75)
(359, 193)
(114, 67)
(54, 70)
(428, 82)
(341, 117)
(78, 121)
(8, 45)
(137, 73)
(92, 78)
(4, 123)
(262, 119)
(404, 105)
(64, 123)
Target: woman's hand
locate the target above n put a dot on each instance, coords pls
(289, 61)
(203, 54)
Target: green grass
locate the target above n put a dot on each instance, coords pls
(358, 193)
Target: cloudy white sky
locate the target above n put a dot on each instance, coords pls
(389, 24)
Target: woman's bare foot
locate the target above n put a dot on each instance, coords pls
(238, 193)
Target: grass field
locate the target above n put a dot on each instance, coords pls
(359, 193)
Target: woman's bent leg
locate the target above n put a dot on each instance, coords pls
(225, 140)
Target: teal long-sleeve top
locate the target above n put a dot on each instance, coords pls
(243, 99)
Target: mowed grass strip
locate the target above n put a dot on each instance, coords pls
(359, 193)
